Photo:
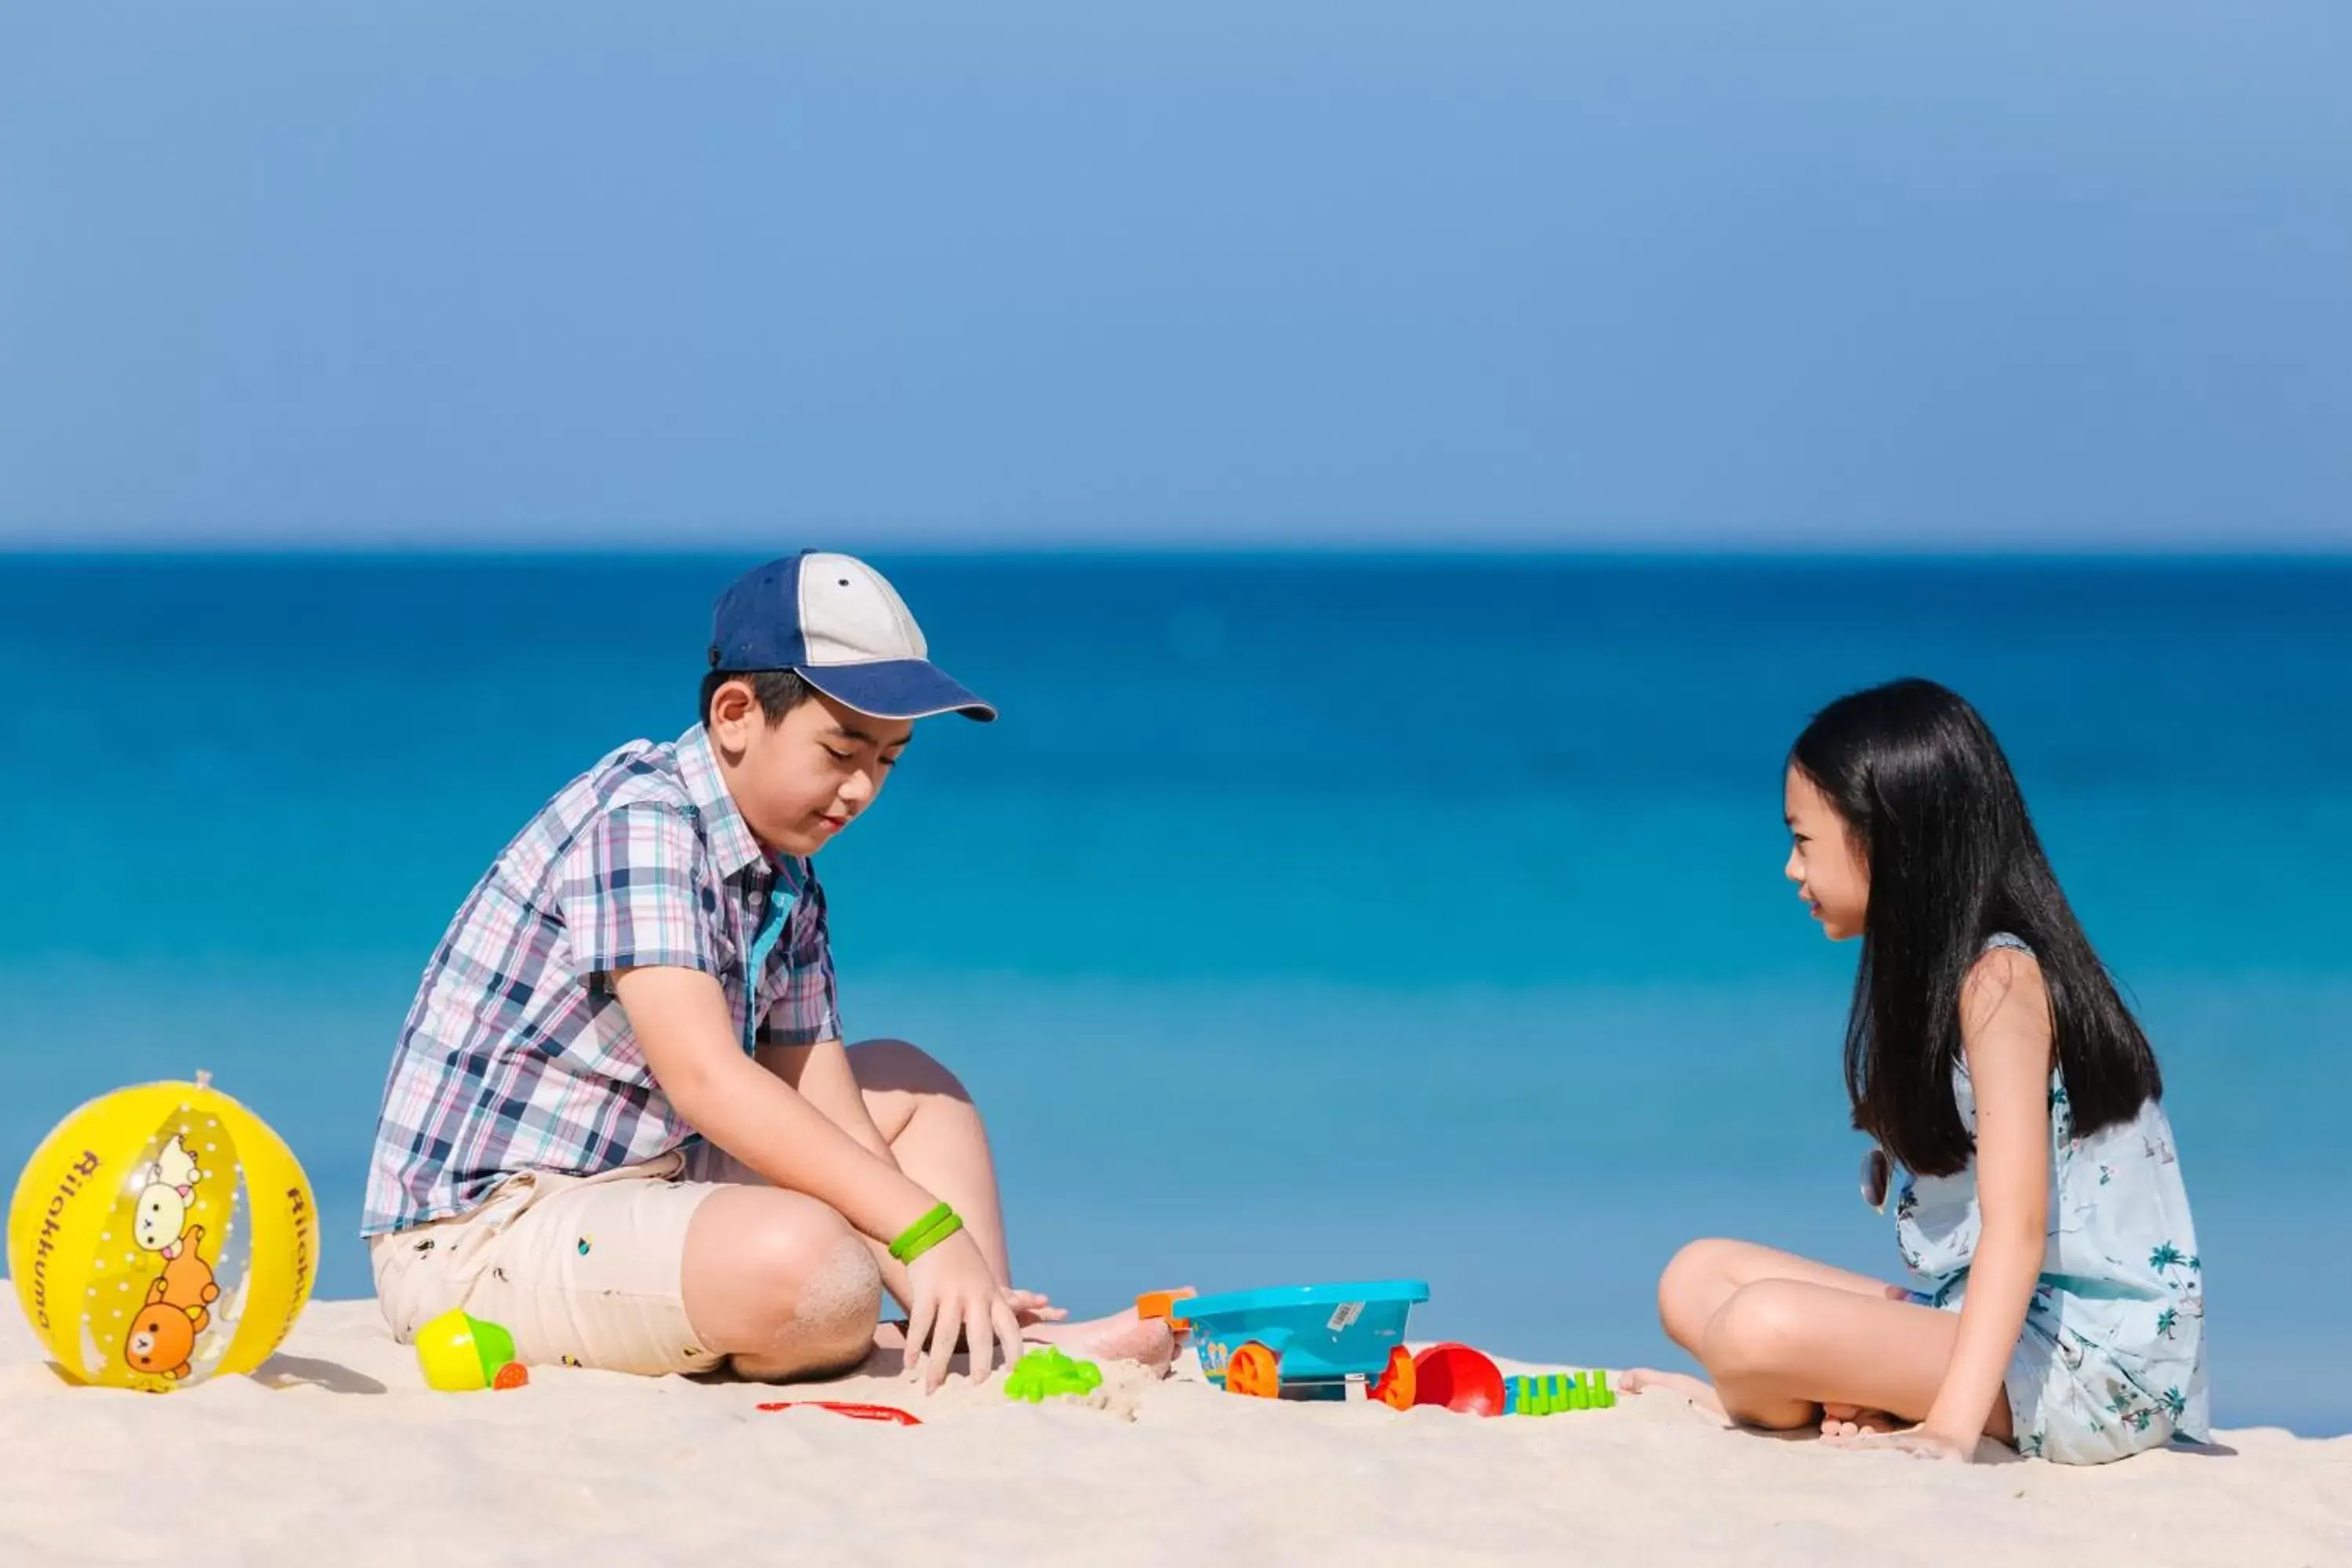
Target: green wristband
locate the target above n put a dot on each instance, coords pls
(939, 1223)
(940, 1213)
(932, 1237)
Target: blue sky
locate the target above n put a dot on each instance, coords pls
(1520, 273)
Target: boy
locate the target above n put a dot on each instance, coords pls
(646, 967)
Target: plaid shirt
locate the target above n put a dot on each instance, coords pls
(516, 1055)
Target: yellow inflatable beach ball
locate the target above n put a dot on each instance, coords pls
(161, 1235)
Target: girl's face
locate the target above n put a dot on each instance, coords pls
(1824, 860)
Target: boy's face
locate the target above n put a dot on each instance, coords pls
(1829, 874)
(800, 780)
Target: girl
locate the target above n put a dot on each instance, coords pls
(2013, 1101)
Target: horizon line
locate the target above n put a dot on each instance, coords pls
(2056, 553)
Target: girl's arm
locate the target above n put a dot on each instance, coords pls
(2005, 1031)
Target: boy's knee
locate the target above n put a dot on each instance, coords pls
(786, 1285)
(816, 1262)
(1757, 1331)
(901, 1066)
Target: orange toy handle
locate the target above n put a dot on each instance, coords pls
(1162, 1304)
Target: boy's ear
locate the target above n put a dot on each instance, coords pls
(732, 702)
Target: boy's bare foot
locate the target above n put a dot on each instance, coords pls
(1854, 1420)
(1698, 1390)
(1122, 1336)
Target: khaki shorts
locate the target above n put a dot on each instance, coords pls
(585, 1271)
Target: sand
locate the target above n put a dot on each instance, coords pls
(337, 1454)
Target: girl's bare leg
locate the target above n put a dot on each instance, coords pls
(1705, 1275)
(1780, 1349)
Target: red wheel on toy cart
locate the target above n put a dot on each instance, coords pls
(1255, 1371)
(1395, 1386)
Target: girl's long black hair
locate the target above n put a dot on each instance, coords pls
(1953, 857)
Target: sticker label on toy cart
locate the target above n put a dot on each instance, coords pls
(1346, 1316)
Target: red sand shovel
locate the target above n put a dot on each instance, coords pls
(845, 1407)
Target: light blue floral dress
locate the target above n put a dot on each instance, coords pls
(2112, 1361)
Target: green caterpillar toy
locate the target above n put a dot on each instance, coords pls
(1553, 1392)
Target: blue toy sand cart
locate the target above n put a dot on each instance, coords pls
(1307, 1339)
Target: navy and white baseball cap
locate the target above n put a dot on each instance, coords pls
(838, 624)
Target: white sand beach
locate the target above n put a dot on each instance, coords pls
(336, 1452)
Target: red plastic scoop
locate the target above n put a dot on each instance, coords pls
(1458, 1378)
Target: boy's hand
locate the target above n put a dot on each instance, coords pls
(956, 1293)
(1033, 1307)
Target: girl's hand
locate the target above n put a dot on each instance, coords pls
(1919, 1442)
(956, 1293)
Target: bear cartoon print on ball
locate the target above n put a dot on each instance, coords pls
(162, 1339)
(170, 1187)
(160, 1235)
(177, 1309)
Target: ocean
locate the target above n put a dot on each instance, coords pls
(1304, 917)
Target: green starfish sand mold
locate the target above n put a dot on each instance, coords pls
(1046, 1372)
